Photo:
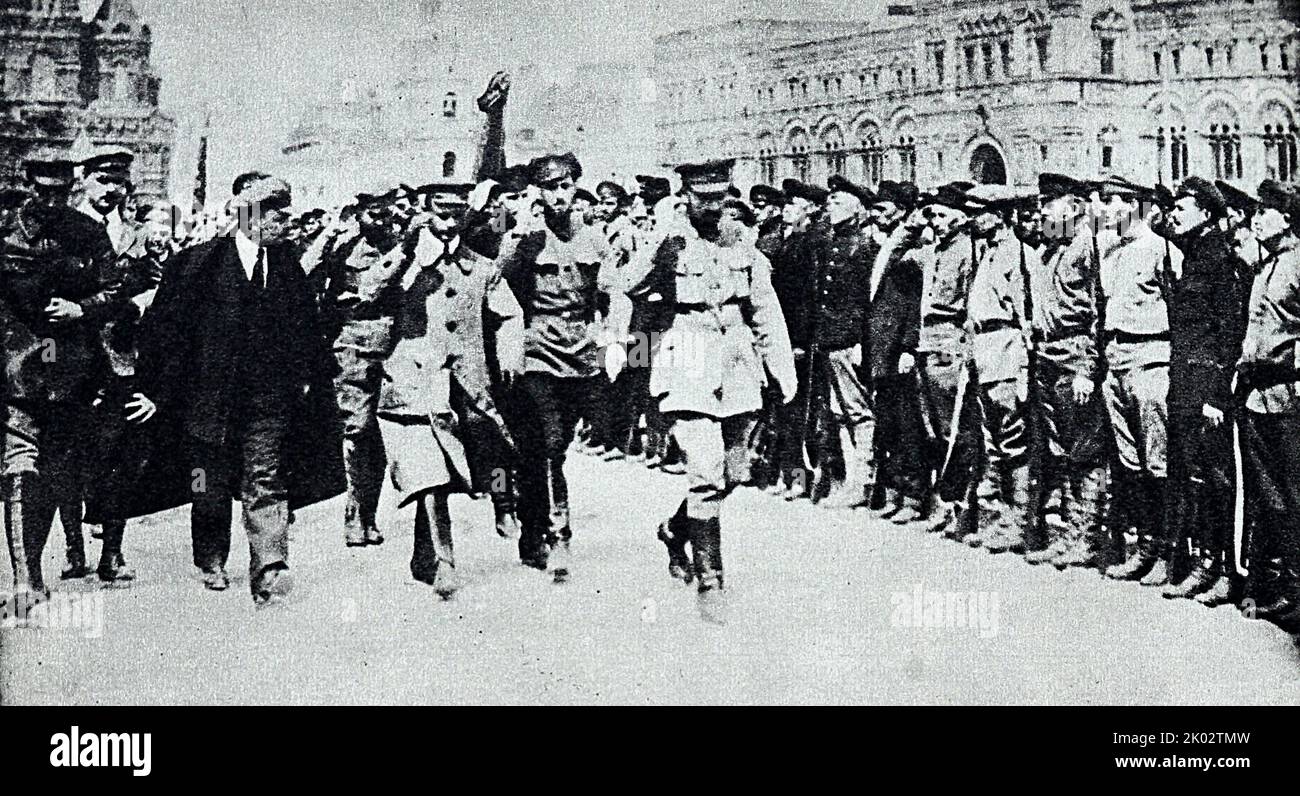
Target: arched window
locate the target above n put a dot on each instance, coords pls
(1225, 144)
(872, 153)
(1174, 140)
(449, 164)
(833, 146)
(449, 105)
(907, 158)
(1280, 152)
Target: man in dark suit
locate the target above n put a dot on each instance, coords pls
(228, 358)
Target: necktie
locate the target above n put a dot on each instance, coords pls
(259, 270)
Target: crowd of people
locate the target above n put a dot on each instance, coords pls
(1090, 374)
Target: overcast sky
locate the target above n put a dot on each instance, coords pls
(263, 61)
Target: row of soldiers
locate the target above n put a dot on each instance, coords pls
(1046, 372)
(1093, 374)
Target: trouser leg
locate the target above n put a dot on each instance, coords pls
(264, 495)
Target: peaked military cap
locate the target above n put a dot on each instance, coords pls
(1208, 197)
(271, 193)
(903, 195)
(50, 173)
(765, 194)
(953, 195)
(841, 184)
(795, 189)
(998, 198)
(585, 195)
(1054, 186)
(1236, 198)
(710, 177)
(364, 200)
(548, 169)
(110, 162)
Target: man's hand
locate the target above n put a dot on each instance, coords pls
(788, 392)
(906, 364)
(511, 374)
(855, 356)
(615, 361)
(1213, 415)
(1082, 388)
(140, 409)
(61, 311)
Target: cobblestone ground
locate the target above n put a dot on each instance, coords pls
(826, 607)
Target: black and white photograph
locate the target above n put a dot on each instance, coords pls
(651, 353)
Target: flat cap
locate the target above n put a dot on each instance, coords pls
(765, 195)
(1236, 198)
(841, 184)
(743, 211)
(513, 179)
(1208, 197)
(1282, 197)
(271, 193)
(901, 194)
(998, 198)
(1054, 186)
(794, 189)
(49, 173)
(548, 169)
(447, 194)
(710, 177)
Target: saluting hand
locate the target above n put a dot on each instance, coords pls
(61, 311)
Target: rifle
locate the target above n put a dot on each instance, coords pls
(808, 426)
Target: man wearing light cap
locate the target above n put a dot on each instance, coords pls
(1137, 268)
(1268, 376)
(58, 288)
(553, 266)
(726, 340)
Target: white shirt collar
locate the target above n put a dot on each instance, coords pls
(247, 249)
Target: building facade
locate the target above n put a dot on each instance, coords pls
(994, 91)
(424, 127)
(68, 83)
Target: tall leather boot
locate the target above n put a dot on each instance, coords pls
(1056, 486)
(991, 507)
(29, 514)
(16, 515)
(71, 513)
(1159, 573)
(1015, 513)
(112, 568)
(363, 477)
(1148, 550)
(706, 549)
(432, 558)
(1083, 534)
(675, 533)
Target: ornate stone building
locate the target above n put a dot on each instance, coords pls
(994, 91)
(68, 83)
(422, 128)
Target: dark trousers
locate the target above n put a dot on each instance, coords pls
(249, 467)
(549, 408)
(118, 458)
(900, 435)
(940, 375)
(1200, 487)
(1271, 472)
(356, 389)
